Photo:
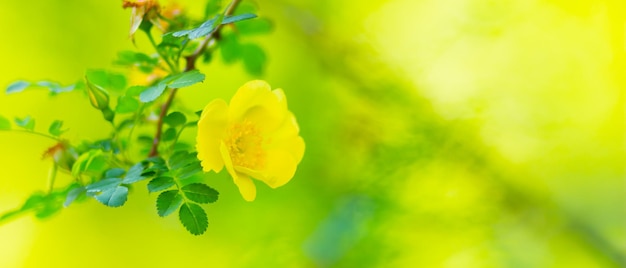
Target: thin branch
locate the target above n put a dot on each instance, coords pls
(190, 65)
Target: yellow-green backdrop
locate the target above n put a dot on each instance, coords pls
(456, 133)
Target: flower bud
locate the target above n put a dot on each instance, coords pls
(98, 97)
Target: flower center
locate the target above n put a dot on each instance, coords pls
(245, 145)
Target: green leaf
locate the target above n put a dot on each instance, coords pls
(152, 93)
(229, 48)
(180, 159)
(189, 170)
(113, 197)
(200, 193)
(114, 173)
(54, 87)
(168, 202)
(254, 59)
(134, 174)
(134, 91)
(126, 104)
(253, 27)
(169, 134)
(17, 86)
(212, 7)
(103, 185)
(106, 80)
(5, 124)
(186, 79)
(160, 184)
(193, 217)
(55, 128)
(73, 194)
(208, 26)
(26, 123)
(175, 119)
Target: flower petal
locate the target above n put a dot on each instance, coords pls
(211, 127)
(255, 101)
(287, 138)
(243, 181)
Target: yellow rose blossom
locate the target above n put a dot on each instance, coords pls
(256, 136)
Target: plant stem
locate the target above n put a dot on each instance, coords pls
(173, 69)
(190, 65)
(52, 177)
(33, 133)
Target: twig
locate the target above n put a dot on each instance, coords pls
(190, 64)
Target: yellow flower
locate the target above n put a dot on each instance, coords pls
(256, 136)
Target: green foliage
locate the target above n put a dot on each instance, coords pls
(55, 128)
(106, 169)
(193, 217)
(200, 193)
(25, 123)
(5, 124)
(168, 202)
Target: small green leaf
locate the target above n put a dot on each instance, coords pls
(103, 185)
(180, 159)
(175, 119)
(254, 59)
(186, 79)
(17, 86)
(189, 170)
(253, 27)
(126, 104)
(135, 91)
(26, 123)
(134, 174)
(5, 124)
(114, 173)
(55, 128)
(229, 48)
(212, 7)
(73, 194)
(160, 184)
(169, 134)
(236, 18)
(113, 197)
(152, 93)
(106, 80)
(193, 217)
(200, 193)
(168, 202)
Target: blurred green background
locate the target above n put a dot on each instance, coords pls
(456, 133)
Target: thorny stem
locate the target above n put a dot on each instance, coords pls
(190, 64)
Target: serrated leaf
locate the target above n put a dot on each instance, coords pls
(193, 217)
(73, 194)
(104, 185)
(180, 159)
(55, 128)
(189, 170)
(168, 202)
(17, 86)
(160, 184)
(113, 197)
(5, 124)
(126, 104)
(186, 79)
(26, 123)
(175, 119)
(152, 93)
(134, 174)
(200, 193)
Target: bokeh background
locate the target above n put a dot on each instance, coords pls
(456, 133)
